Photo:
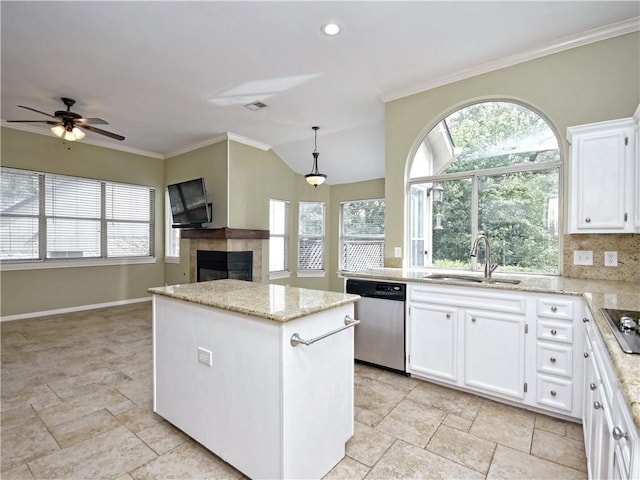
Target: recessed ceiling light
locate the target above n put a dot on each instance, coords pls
(331, 29)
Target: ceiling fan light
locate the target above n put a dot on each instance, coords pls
(79, 134)
(58, 130)
(69, 135)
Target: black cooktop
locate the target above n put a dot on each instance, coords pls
(625, 325)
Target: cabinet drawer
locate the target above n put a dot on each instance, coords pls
(556, 359)
(552, 307)
(554, 392)
(555, 331)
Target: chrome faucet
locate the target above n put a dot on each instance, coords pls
(488, 267)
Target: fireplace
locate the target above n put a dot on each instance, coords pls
(216, 265)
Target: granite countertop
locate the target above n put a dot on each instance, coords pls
(597, 294)
(272, 302)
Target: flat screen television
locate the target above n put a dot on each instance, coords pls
(189, 207)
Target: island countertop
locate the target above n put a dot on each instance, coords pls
(597, 294)
(273, 302)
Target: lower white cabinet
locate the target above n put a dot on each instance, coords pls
(610, 435)
(434, 341)
(494, 352)
(516, 346)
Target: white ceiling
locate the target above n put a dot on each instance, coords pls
(171, 76)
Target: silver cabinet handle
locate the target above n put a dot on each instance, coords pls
(473, 319)
(554, 308)
(448, 315)
(597, 405)
(348, 322)
(618, 434)
(554, 332)
(553, 359)
(593, 386)
(553, 393)
(588, 220)
(586, 354)
(585, 320)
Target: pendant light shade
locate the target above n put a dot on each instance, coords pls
(315, 178)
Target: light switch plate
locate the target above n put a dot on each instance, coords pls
(583, 257)
(398, 252)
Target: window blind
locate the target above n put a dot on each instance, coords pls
(46, 216)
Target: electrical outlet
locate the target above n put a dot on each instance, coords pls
(610, 259)
(205, 356)
(398, 252)
(583, 257)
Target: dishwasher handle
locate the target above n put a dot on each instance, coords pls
(348, 322)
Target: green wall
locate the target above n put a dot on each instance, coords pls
(211, 163)
(596, 82)
(24, 291)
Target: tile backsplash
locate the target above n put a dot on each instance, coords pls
(627, 246)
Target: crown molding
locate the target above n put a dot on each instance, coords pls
(86, 140)
(248, 141)
(220, 138)
(590, 36)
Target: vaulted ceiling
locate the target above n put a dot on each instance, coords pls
(171, 76)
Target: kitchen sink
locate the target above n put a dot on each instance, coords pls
(472, 279)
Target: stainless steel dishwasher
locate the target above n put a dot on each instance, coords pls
(380, 337)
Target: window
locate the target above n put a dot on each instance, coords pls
(171, 235)
(311, 236)
(489, 168)
(278, 236)
(361, 234)
(47, 217)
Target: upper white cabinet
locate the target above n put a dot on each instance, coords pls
(602, 187)
(636, 119)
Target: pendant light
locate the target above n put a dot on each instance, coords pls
(315, 178)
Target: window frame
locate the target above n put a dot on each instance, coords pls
(171, 235)
(341, 236)
(42, 262)
(474, 175)
(284, 273)
(312, 272)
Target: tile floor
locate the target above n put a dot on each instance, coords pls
(77, 404)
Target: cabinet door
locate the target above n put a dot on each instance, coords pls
(598, 186)
(433, 341)
(494, 352)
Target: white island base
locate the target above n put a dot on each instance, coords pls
(270, 409)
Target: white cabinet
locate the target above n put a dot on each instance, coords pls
(610, 435)
(434, 341)
(602, 197)
(636, 119)
(494, 352)
(517, 346)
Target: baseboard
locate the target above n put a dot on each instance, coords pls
(79, 308)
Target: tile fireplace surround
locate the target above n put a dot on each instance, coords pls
(226, 240)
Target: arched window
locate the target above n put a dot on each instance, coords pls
(489, 168)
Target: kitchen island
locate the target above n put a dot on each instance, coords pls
(261, 375)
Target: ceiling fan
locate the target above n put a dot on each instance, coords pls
(68, 124)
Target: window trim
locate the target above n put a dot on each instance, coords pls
(285, 273)
(168, 232)
(43, 262)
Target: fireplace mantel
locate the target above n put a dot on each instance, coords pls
(225, 233)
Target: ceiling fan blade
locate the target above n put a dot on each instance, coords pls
(37, 111)
(50, 122)
(90, 121)
(102, 132)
